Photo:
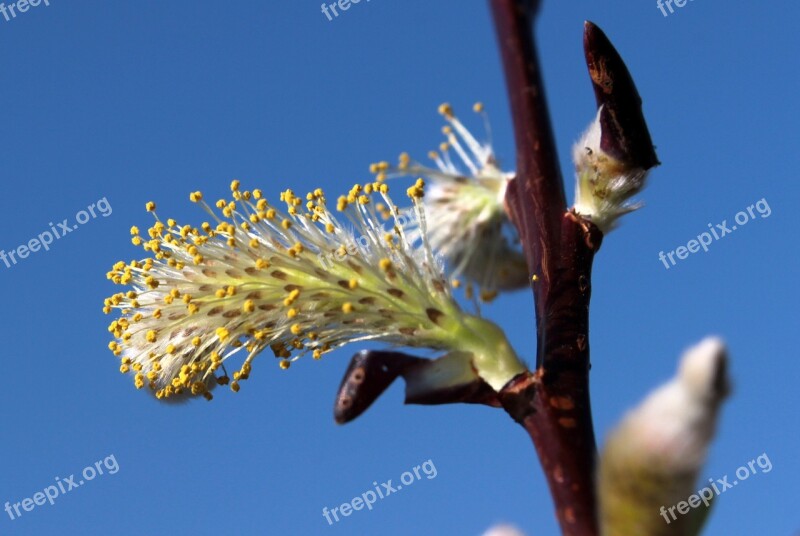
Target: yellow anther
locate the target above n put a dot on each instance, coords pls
(418, 190)
(477, 107)
(150, 206)
(195, 197)
(347, 307)
(222, 334)
(151, 336)
(446, 110)
(249, 306)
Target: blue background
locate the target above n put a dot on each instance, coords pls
(143, 100)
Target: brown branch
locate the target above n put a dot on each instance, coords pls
(552, 404)
(536, 198)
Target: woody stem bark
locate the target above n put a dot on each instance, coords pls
(552, 403)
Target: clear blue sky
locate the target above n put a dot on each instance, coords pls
(130, 101)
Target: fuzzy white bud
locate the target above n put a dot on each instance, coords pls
(653, 457)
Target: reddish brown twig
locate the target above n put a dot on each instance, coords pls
(552, 404)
